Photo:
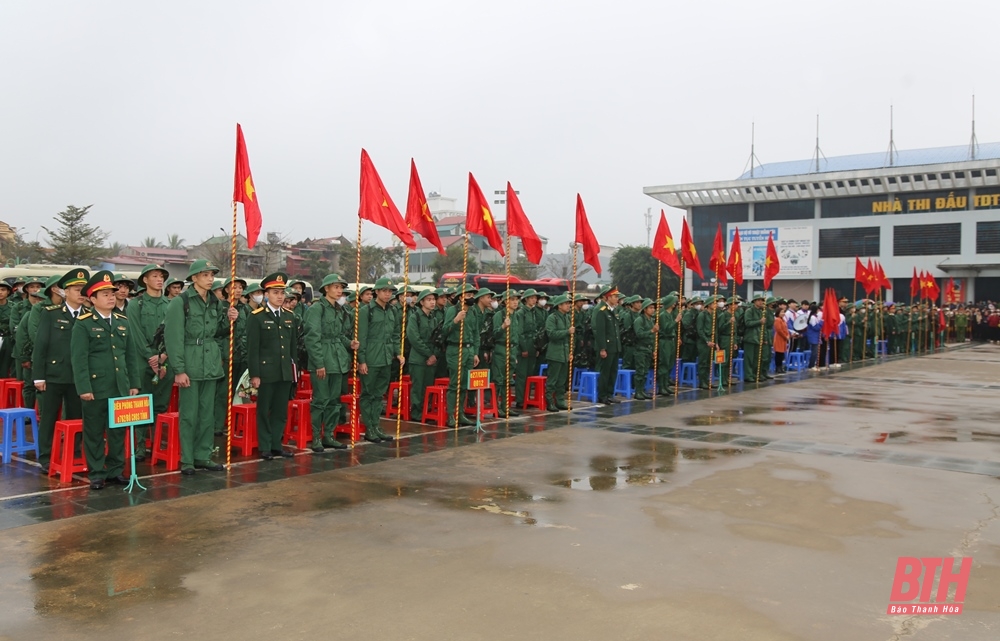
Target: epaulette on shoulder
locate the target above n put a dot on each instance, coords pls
(120, 315)
(49, 308)
(84, 316)
(258, 310)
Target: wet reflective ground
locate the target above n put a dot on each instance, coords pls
(775, 513)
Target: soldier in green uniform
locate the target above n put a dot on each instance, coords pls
(689, 330)
(173, 288)
(32, 295)
(541, 312)
(378, 335)
(223, 391)
(506, 323)
(50, 361)
(103, 354)
(707, 331)
(858, 325)
(724, 330)
(961, 325)
(583, 338)
(423, 359)
(607, 344)
(627, 313)
(272, 342)
(195, 323)
(667, 349)
(646, 332)
(463, 326)
(255, 297)
(754, 340)
(146, 315)
(6, 336)
(560, 332)
(525, 343)
(123, 287)
(329, 343)
(27, 330)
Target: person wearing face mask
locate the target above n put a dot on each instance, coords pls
(607, 344)
(329, 346)
(255, 297)
(50, 361)
(583, 338)
(146, 314)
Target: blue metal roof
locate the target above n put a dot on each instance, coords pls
(856, 162)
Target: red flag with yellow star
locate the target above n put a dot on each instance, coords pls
(663, 246)
(418, 214)
(244, 191)
(735, 263)
(585, 237)
(377, 206)
(771, 263)
(479, 218)
(519, 226)
(717, 263)
(688, 251)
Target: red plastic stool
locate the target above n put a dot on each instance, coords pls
(168, 428)
(303, 394)
(12, 393)
(245, 428)
(534, 392)
(402, 390)
(175, 396)
(298, 426)
(442, 381)
(489, 403)
(354, 385)
(65, 462)
(436, 405)
(305, 382)
(353, 425)
(3, 392)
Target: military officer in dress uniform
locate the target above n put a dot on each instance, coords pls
(329, 341)
(272, 342)
(50, 361)
(196, 323)
(102, 356)
(378, 338)
(146, 314)
(607, 344)
(560, 332)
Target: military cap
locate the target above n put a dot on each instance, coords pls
(439, 292)
(201, 265)
(695, 300)
(172, 281)
(384, 283)
(100, 280)
(75, 277)
(229, 281)
(251, 288)
(580, 297)
(759, 296)
(122, 278)
(290, 293)
(483, 292)
(351, 297)
(543, 295)
(35, 280)
(152, 267)
(18, 280)
(510, 293)
(331, 279)
(608, 290)
(528, 292)
(277, 280)
(670, 300)
(4, 283)
(646, 302)
(364, 288)
(50, 282)
(559, 300)
(424, 294)
(771, 300)
(217, 284)
(634, 298)
(465, 289)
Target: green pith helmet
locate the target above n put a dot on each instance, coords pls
(510, 293)
(424, 294)
(251, 288)
(172, 281)
(758, 296)
(559, 300)
(50, 282)
(580, 297)
(647, 302)
(35, 280)
(229, 281)
(201, 265)
(465, 289)
(483, 292)
(364, 288)
(528, 292)
(331, 279)
(384, 283)
(153, 267)
(670, 300)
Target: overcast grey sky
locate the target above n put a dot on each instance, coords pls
(131, 106)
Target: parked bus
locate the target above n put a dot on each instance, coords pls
(498, 283)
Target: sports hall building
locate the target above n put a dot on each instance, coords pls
(933, 209)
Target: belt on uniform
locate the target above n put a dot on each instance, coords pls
(196, 341)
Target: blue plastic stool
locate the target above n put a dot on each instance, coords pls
(623, 384)
(797, 361)
(770, 367)
(650, 381)
(882, 348)
(14, 432)
(689, 375)
(675, 370)
(739, 353)
(588, 387)
(738, 367)
(543, 369)
(577, 373)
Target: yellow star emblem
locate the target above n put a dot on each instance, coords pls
(487, 217)
(737, 259)
(248, 188)
(694, 252)
(767, 261)
(669, 244)
(427, 216)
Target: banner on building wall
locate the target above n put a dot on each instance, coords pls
(794, 245)
(957, 292)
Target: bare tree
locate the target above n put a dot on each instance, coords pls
(561, 266)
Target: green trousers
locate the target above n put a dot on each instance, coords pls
(197, 409)
(628, 357)
(324, 409)
(555, 384)
(56, 395)
(454, 384)
(161, 402)
(705, 358)
(272, 412)
(525, 367)
(7, 357)
(374, 385)
(607, 375)
(643, 363)
(498, 376)
(422, 376)
(666, 363)
(95, 426)
(28, 392)
(751, 353)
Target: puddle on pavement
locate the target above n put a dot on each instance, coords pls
(952, 435)
(657, 460)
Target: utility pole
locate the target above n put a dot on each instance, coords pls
(649, 226)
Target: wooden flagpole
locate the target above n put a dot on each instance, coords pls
(232, 326)
(572, 337)
(355, 419)
(402, 343)
(656, 342)
(459, 396)
(677, 356)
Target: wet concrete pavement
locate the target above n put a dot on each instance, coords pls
(776, 513)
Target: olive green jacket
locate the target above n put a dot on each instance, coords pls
(378, 333)
(328, 334)
(102, 355)
(607, 332)
(272, 344)
(50, 358)
(194, 341)
(557, 329)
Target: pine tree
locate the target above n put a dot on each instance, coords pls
(75, 242)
